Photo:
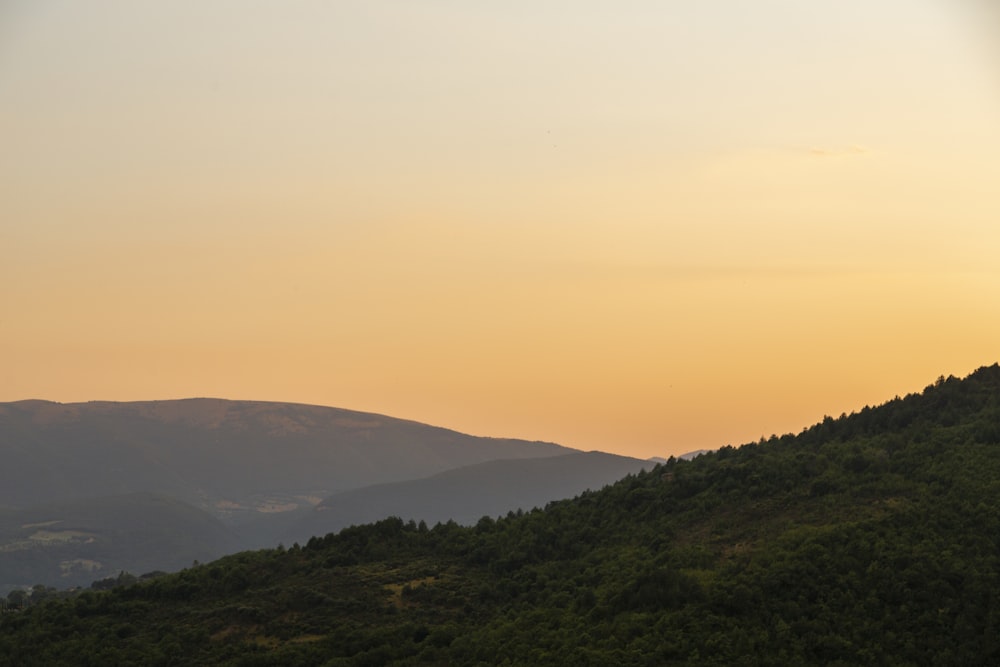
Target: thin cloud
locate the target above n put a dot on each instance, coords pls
(853, 149)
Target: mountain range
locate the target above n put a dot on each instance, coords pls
(227, 457)
(257, 473)
(869, 539)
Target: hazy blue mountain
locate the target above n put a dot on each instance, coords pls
(232, 458)
(260, 468)
(75, 543)
(466, 494)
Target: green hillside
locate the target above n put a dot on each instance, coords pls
(872, 539)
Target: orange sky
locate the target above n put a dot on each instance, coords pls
(641, 227)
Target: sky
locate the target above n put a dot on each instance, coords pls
(644, 227)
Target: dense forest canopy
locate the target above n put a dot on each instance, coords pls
(870, 539)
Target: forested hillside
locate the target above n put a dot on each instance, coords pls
(872, 539)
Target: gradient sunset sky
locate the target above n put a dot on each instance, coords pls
(644, 227)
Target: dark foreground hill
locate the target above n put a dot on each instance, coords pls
(873, 539)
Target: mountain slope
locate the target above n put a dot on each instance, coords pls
(231, 458)
(466, 494)
(873, 539)
(76, 543)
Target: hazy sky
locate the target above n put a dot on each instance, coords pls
(645, 227)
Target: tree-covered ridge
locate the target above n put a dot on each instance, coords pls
(872, 539)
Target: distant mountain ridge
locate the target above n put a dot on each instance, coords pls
(227, 457)
(230, 475)
(466, 494)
